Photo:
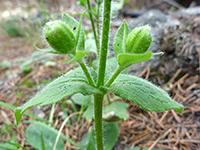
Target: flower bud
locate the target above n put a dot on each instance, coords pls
(139, 40)
(59, 37)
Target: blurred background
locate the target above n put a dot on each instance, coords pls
(175, 25)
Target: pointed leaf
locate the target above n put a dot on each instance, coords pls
(144, 94)
(47, 50)
(120, 38)
(71, 83)
(126, 59)
(89, 113)
(74, 25)
(82, 2)
(35, 132)
(79, 55)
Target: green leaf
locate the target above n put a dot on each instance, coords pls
(84, 141)
(120, 39)
(35, 132)
(79, 55)
(82, 2)
(90, 45)
(127, 59)
(89, 113)
(47, 50)
(111, 65)
(80, 99)
(144, 94)
(10, 145)
(26, 66)
(80, 36)
(116, 112)
(12, 107)
(139, 40)
(71, 83)
(74, 26)
(110, 136)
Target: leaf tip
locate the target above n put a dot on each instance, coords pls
(18, 115)
(159, 53)
(180, 109)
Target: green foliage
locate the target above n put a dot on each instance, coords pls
(5, 64)
(77, 30)
(71, 83)
(116, 111)
(120, 39)
(81, 99)
(43, 137)
(13, 27)
(110, 136)
(59, 37)
(89, 113)
(126, 60)
(10, 145)
(26, 66)
(129, 47)
(67, 36)
(139, 40)
(144, 94)
(79, 55)
(12, 107)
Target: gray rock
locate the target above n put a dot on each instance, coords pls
(194, 11)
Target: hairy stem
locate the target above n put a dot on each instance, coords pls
(93, 26)
(98, 25)
(86, 72)
(104, 42)
(114, 76)
(98, 103)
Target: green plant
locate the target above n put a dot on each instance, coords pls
(13, 27)
(129, 47)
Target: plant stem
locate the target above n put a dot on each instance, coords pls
(86, 72)
(104, 43)
(98, 25)
(108, 98)
(52, 112)
(98, 103)
(93, 27)
(114, 76)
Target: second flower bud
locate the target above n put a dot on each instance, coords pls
(60, 37)
(139, 40)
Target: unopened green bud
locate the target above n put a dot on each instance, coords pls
(59, 37)
(139, 40)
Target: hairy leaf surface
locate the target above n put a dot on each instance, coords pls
(120, 39)
(126, 59)
(66, 85)
(144, 94)
(74, 26)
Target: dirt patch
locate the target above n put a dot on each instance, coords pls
(13, 47)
